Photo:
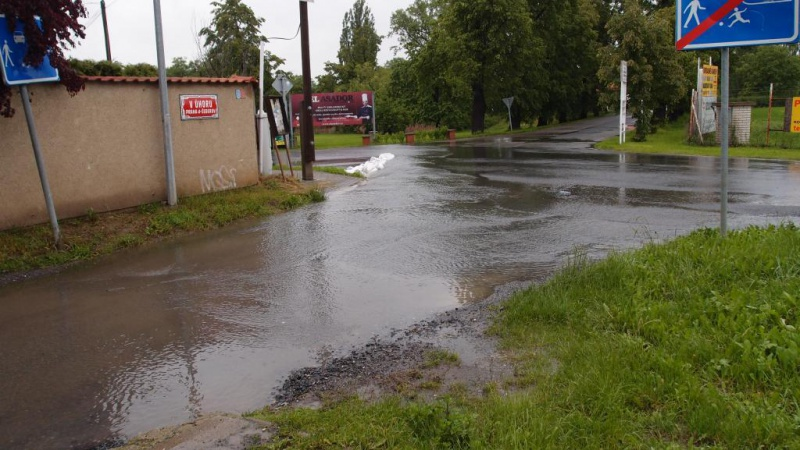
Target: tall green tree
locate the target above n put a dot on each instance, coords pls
(60, 29)
(415, 25)
(433, 87)
(492, 40)
(568, 30)
(231, 44)
(359, 42)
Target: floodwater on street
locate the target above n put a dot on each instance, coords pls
(214, 322)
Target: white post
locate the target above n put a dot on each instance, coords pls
(264, 136)
(623, 101)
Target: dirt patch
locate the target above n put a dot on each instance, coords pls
(211, 432)
(404, 361)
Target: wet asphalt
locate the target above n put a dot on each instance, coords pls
(151, 337)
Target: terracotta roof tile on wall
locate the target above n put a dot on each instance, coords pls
(231, 80)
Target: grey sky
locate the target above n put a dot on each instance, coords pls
(133, 34)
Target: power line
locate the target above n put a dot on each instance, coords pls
(287, 39)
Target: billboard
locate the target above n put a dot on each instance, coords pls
(336, 108)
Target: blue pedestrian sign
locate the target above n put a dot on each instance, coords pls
(13, 47)
(703, 24)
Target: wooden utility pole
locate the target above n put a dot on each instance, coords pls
(307, 153)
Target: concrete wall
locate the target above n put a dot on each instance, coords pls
(104, 148)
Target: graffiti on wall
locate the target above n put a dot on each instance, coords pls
(218, 180)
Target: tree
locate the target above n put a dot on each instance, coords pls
(568, 32)
(182, 68)
(60, 28)
(657, 81)
(491, 41)
(755, 68)
(431, 86)
(232, 41)
(359, 43)
(415, 25)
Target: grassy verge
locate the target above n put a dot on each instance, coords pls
(98, 234)
(324, 141)
(683, 344)
(672, 139)
(330, 140)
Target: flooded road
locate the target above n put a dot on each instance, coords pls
(214, 322)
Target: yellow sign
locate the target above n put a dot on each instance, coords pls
(710, 80)
(795, 126)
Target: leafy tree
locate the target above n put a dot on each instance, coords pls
(657, 81)
(491, 40)
(568, 32)
(232, 41)
(60, 28)
(414, 26)
(754, 69)
(432, 87)
(182, 68)
(330, 80)
(359, 43)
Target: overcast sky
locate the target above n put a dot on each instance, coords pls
(132, 30)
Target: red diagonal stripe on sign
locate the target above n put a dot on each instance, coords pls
(708, 23)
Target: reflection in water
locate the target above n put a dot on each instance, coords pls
(214, 322)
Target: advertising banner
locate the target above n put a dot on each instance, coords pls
(795, 116)
(708, 87)
(336, 109)
(198, 107)
(710, 81)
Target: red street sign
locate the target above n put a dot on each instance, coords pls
(194, 107)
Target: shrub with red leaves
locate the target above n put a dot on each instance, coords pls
(61, 29)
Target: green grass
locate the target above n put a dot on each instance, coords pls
(692, 343)
(672, 139)
(323, 141)
(436, 358)
(98, 234)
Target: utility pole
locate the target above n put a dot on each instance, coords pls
(172, 194)
(307, 155)
(105, 29)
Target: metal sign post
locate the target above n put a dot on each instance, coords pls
(723, 24)
(509, 101)
(16, 72)
(283, 85)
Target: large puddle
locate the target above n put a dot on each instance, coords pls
(214, 322)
